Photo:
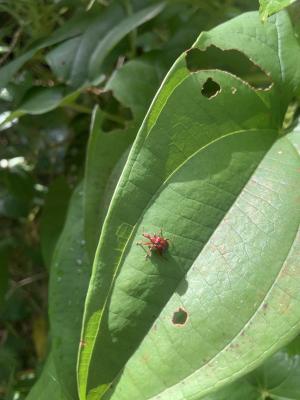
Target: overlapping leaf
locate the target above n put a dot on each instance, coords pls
(277, 378)
(84, 43)
(269, 7)
(232, 258)
(106, 148)
(70, 271)
(47, 385)
(79, 60)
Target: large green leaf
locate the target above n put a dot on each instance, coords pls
(70, 272)
(245, 278)
(269, 7)
(105, 149)
(42, 100)
(233, 235)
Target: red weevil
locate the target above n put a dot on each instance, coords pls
(157, 243)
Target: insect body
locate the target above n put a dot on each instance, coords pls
(157, 243)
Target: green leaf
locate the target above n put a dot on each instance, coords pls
(16, 188)
(269, 7)
(47, 385)
(41, 100)
(72, 28)
(70, 272)
(119, 32)
(293, 348)
(69, 61)
(233, 235)
(53, 216)
(277, 378)
(78, 61)
(240, 272)
(105, 149)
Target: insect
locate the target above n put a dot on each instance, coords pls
(157, 243)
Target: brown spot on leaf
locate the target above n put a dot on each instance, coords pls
(180, 317)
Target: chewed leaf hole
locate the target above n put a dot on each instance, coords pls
(233, 61)
(210, 88)
(180, 317)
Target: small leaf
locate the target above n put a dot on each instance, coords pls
(79, 60)
(42, 100)
(269, 7)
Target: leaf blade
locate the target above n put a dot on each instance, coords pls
(190, 144)
(280, 299)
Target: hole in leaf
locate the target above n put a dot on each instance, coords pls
(232, 61)
(210, 88)
(116, 114)
(180, 317)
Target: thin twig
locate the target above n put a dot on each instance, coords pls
(13, 44)
(26, 281)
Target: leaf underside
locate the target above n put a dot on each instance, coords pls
(209, 168)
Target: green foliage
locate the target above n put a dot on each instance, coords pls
(114, 124)
(186, 181)
(99, 172)
(70, 272)
(269, 7)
